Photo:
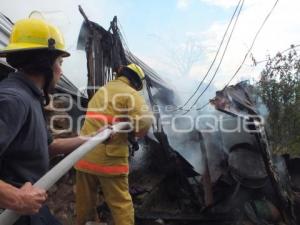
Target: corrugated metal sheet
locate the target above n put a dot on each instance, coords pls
(5, 30)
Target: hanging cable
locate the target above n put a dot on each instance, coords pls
(253, 42)
(221, 60)
(214, 60)
(293, 47)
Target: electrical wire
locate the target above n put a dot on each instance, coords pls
(215, 58)
(221, 60)
(253, 42)
(293, 47)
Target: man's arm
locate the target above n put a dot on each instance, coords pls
(65, 145)
(27, 200)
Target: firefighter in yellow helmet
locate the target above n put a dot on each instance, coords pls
(36, 45)
(35, 50)
(106, 166)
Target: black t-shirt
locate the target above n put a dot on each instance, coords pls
(23, 134)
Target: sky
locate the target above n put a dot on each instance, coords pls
(171, 33)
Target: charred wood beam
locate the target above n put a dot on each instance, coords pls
(84, 15)
(206, 179)
(286, 201)
(104, 51)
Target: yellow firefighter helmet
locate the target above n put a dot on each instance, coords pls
(34, 34)
(138, 70)
(134, 74)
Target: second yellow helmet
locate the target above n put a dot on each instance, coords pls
(138, 70)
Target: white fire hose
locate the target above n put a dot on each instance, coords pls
(9, 217)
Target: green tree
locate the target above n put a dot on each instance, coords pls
(279, 87)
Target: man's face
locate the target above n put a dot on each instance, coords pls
(57, 70)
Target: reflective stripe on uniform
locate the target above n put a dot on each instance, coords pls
(102, 117)
(95, 167)
(108, 119)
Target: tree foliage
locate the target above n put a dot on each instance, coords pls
(279, 87)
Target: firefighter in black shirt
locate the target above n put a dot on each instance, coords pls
(36, 50)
